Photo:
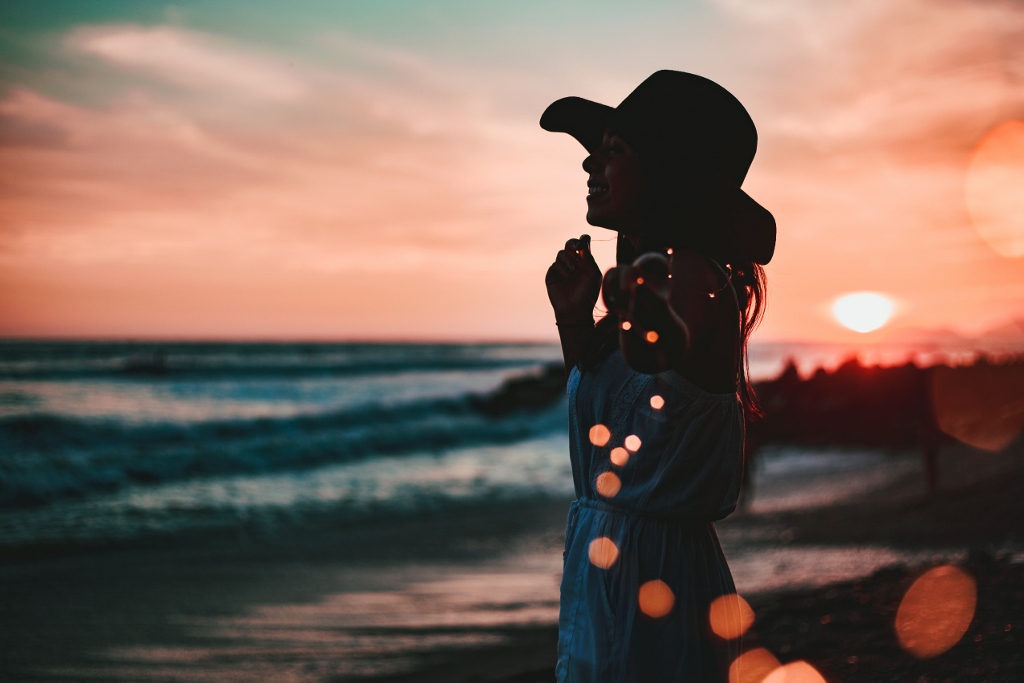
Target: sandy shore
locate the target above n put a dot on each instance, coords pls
(267, 607)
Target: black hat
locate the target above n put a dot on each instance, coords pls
(701, 124)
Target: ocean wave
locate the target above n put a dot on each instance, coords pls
(401, 487)
(150, 361)
(45, 457)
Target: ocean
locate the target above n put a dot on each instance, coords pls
(103, 441)
(389, 519)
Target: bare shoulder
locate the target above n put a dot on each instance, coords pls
(693, 271)
(697, 291)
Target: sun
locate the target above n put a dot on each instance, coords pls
(863, 311)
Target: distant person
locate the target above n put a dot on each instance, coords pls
(658, 388)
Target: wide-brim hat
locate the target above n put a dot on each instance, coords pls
(712, 140)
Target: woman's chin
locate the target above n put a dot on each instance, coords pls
(598, 221)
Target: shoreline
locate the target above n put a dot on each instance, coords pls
(255, 607)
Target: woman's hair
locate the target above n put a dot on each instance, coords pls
(669, 220)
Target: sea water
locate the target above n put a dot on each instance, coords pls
(103, 441)
(117, 442)
(120, 440)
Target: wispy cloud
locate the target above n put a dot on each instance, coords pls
(191, 59)
(369, 164)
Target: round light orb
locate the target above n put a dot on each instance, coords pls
(730, 616)
(936, 611)
(608, 484)
(863, 311)
(599, 435)
(619, 456)
(995, 188)
(603, 552)
(656, 598)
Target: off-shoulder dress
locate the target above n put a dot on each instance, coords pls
(650, 520)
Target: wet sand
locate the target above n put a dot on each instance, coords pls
(273, 606)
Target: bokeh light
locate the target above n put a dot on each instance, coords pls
(651, 336)
(936, 611)
(981, 405)
(863, 311)
(753, 666)
(626, 325)
(657, 402)
(632, 443)
(603, 552)
(599, 435)
(656, 598)
(730, 616)
(608, 484)
(995, 188)
(619, 456)
(795, 672)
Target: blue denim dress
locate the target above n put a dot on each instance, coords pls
(644, 517)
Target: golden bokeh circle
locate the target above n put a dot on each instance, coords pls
(730, 616)
(600, 435)
(656, 598)
(995, 188)
(608, 484)
(603, 552)
(936, 611)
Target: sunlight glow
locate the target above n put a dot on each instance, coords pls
(863, 311)
(936, 611)
(995, 188)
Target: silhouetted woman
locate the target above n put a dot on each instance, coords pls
(658, 388)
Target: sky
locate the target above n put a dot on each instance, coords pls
(375, 170)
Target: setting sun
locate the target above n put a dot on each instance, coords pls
(863, 311)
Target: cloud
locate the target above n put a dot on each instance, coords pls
(368, 164)
(861, 76)
(192, 59)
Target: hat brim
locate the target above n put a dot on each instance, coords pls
(584, 120)
(747, 229)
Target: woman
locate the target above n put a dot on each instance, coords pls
(658, 389)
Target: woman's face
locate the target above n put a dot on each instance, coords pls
(614, 184)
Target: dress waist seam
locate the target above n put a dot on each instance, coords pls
(601, 506)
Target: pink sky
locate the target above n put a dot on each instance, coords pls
(164, 179)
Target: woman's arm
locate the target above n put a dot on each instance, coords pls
(573, 282)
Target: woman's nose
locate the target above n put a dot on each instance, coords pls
(590, 164)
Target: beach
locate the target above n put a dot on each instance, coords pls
(472, 594)
(442, 563)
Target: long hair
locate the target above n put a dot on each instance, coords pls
(672, 217)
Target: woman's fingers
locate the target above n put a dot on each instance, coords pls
(557, 272)
(569, 259)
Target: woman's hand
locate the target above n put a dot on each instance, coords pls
(574, 283)
(652, 335)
